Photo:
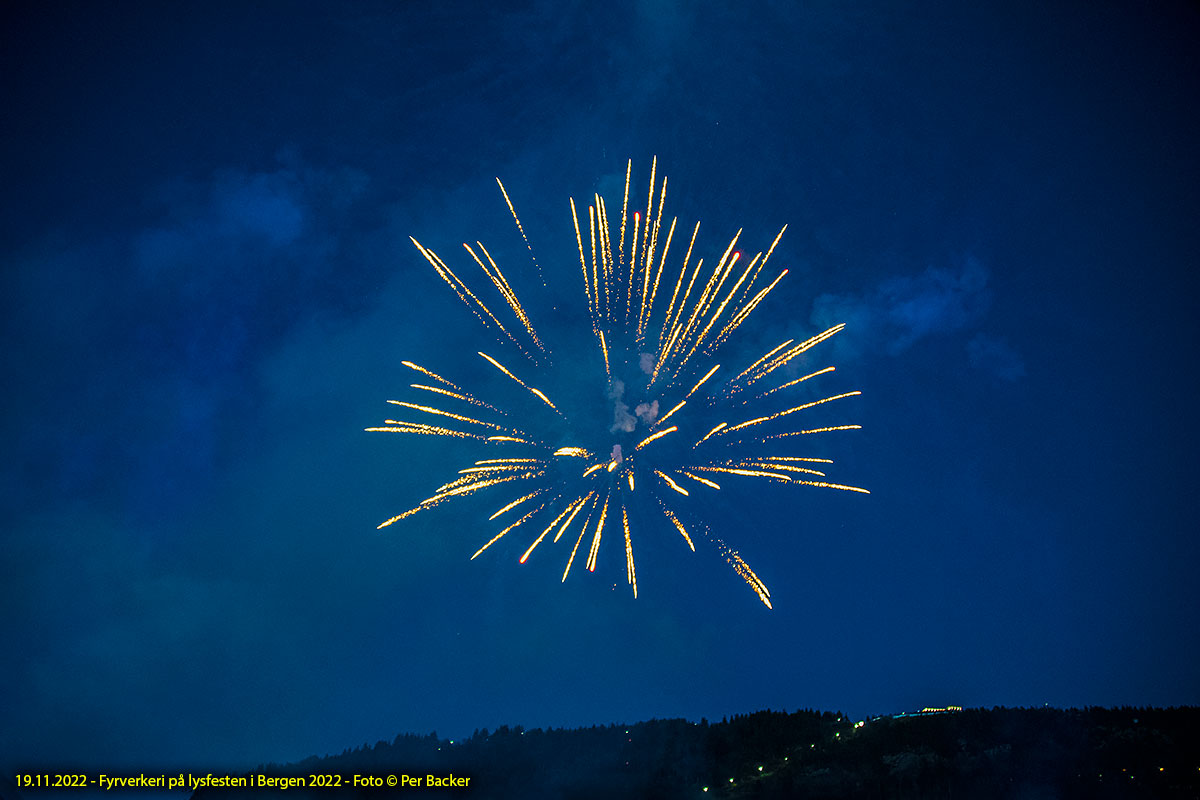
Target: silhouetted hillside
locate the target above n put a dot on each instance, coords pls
(976, 753)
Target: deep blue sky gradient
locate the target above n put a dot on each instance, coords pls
(208, 288)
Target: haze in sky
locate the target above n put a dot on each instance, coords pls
(208, 291)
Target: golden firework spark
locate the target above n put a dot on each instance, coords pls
(657, 324)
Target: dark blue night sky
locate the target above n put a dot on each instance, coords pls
(208, 288)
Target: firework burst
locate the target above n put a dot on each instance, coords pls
(658, 325)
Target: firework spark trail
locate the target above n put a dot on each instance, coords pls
(701, 304)
(583, 265)
(662, 262)
(434, 375)
(502, 286)
(500, 535)
(631, 574)
(748, 370)
(464, 293)
(654, 437)
(762, 370)
(667, 318)
(394, 426)
(493, 469)
(814, 430)
(452, 415)
(591, 560)
(535, 392)
(582, 533)
(456, 395)
(604, 350)
(517, 220)
(678, 525)
(575, 452)
(632, 267)
(779, 414)
(749, 473)
(670, 413)
(683, 402)
(719, 427)
(517, 502)
(578, 504)
(748, 307)
(670, 482)
(723, 269)
(721, 308)
(790, 384)
(705, 481)
(675, 328)
(622, 282)
(459, 490)
(547, 530)
(593, 468)
(743, 569)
